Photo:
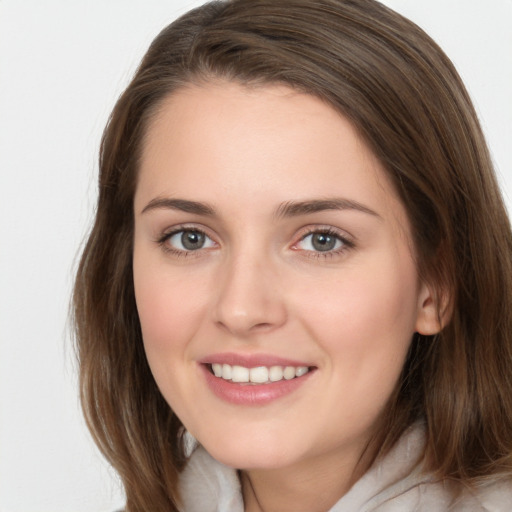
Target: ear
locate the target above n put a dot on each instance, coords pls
(434, 310)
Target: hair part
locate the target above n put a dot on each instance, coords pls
(407, 101)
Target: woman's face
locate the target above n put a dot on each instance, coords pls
(271, 250)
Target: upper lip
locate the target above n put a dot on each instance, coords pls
(251, 360)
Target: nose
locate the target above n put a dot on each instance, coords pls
(249, 298)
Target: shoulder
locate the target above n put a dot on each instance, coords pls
(443, 497)
(493, 497)
(397, 483)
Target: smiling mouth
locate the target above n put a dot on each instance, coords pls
(259, 374)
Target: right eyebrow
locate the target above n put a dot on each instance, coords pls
(183, 205)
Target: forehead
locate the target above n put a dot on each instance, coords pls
(253, 147)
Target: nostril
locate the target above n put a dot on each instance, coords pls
(261, 326)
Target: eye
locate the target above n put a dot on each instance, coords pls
(187, 240)
(323, 241)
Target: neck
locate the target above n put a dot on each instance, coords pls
(312, 485)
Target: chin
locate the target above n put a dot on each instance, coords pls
(250, 454)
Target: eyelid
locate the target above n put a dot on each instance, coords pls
(348, 241)
(168, 233)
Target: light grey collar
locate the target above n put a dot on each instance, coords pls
(393, 484)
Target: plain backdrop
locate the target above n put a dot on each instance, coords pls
(63, 63)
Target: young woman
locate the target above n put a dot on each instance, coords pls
(297, 291)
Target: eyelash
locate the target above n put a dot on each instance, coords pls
(346, 244)
(162, 241)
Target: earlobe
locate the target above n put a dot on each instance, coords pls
(433, 310)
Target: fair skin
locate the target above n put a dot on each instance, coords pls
(268, 235)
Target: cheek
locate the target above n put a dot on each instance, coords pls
(364, 319)
(168, 307)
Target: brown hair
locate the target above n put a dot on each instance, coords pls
(406, 99)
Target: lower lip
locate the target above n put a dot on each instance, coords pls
(252, 394)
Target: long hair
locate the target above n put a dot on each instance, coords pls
(406, 100)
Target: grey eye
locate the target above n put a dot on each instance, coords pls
(320, 242)
(190, 240)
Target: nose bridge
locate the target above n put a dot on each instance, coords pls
(249, 298)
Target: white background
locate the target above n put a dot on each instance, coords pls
(62, 65)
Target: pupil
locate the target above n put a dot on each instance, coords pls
(323, 242)
(192, 240)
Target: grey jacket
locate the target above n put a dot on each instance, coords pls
(393, 484)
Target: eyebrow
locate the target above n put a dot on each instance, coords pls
(294, 209)
(183, 205)
(288, 209)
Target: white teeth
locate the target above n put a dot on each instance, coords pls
(289, 372)
(301, 370)
(217, 369)
(226, 371)
(259, 374)
(275, 373)
(239, 374)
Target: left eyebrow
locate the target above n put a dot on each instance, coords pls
(294, 209)
(183, 205)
